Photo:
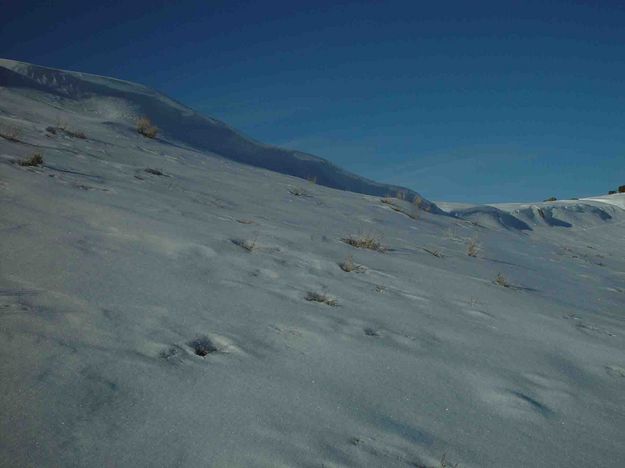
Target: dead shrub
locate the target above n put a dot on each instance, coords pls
(365, 241)
(501, 280)
(34, 161)
(321, 298)
(10, 133)
(146, 128)
(473, 247)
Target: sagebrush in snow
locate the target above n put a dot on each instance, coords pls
(364, 241)
(473, 247)
(146, 128)
(35, 160)
(501, 280)
(320, 297)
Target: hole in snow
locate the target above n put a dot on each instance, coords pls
(203, 346)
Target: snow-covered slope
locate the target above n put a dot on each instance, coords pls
(120, 103)
(154, 312)
(617, 199)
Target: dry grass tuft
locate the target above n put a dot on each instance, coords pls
(348, 265)
(321, 298)
(146, 128)
(473, 247)
(364, 241)
(61, 123)
(10, 133)
(501, 280)
(35, 160)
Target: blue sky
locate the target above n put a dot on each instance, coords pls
(462, 101)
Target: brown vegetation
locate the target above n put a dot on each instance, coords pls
(146, 128)
(35, 160)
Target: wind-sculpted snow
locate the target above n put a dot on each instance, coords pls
(490, 216)
(183, 125)
(525, 217)
(161, 306)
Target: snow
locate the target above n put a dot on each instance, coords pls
(113, 278)
(616, 199)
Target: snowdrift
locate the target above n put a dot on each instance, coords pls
(121, 103)
(162, 305)
(584, 213)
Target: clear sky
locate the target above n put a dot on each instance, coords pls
(462, 101)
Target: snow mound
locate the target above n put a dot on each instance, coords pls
(123, 102)
(489, 216)
(616, 199)
(566, 215)
(585, 213)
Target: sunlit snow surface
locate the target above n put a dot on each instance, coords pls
(159, 318)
